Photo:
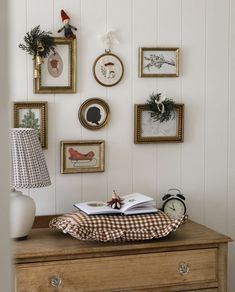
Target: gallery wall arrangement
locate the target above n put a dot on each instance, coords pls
(55, 66)
(144, 38)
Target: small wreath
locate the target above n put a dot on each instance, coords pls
(38, 42)
(162, 108)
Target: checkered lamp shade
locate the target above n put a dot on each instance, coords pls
(29, 169)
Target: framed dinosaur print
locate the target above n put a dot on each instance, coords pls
(158, 62)
(82, 156)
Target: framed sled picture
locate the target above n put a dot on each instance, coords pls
(94, 113)
(108, 69)
(158, 62)
(82, 156)
(148, 130)
(57, 73)
(32, 115)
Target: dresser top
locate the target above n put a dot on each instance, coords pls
(44, 244)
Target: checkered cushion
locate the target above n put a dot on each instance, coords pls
(116, 227)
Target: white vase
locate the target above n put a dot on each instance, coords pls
(22, 214)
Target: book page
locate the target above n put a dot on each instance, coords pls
(135, 199)
(96, 207)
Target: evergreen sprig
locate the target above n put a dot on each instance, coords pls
(31, 42)
(156, 113)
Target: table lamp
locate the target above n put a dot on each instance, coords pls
(28, 171)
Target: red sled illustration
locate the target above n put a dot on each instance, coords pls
(77, 158)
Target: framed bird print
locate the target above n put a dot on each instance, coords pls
(108, 69)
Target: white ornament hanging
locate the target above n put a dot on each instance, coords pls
(109, 39)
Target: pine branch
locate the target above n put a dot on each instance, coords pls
(31, 42)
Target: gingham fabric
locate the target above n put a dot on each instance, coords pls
(116, 227)
(29, 168)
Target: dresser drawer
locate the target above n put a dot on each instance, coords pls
(120, 272)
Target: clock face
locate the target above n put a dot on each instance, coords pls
(174, 208)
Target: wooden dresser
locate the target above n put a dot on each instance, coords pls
(194, 258)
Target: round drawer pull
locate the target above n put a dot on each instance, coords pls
(184, 269)
(55, 281)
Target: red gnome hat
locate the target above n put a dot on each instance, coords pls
(64, 15)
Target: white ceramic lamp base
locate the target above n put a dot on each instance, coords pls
(22, 214)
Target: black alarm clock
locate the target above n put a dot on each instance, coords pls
(174, 205)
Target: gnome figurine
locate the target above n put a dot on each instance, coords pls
(68, 33)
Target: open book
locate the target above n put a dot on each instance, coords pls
(131, 204)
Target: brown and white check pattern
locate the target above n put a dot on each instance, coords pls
(29, 168)
(116, 227)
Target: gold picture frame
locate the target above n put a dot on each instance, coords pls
(32, 115)
(82, 156)
(146, 130)
(94, 113)
(108, 69)
(158, 62)
(58, 72)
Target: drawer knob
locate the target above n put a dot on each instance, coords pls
(184, 269)
(55, 281)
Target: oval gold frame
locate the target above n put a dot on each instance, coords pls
(94, 66)
(84, 106)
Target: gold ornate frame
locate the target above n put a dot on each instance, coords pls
(138, 137)
(71, 88)
(94, 67)
(141, 62)
(43, 106)
(82, 169)
(85, 105)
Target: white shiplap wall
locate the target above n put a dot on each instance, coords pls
(204, 165)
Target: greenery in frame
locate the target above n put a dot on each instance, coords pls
(162, 109)
(30, 121)
(157, 61)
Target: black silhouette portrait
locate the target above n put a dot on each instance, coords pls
(93, 115)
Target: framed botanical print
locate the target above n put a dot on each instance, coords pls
(148, 130)
(57, 74)
(158, 62)
(94, 113)
(108, 69)
(82, 156)
(32, 115)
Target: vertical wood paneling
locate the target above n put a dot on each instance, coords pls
(119, 137)
(193, 96)
(93, 23)
(169, 35)
(216, 160)
(45, 197)
(144, 35)
(67, 127)
(17, 57)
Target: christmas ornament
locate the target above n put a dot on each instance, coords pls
(38, 44)
(109, 39)
(67, 28)
(162, 108)
(108, 68)
(115, 202)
